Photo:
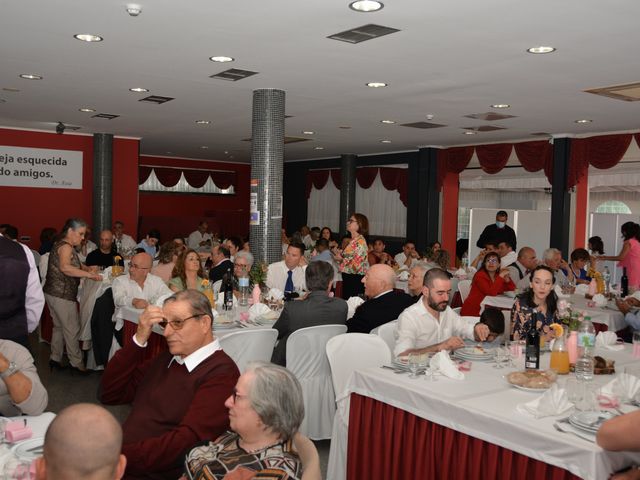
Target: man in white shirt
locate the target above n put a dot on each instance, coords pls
(552, 258)
(200, 240)
(507, 255)
(288, 275)
(430, 325)
(124, 243)
(409, 256)
(140, 288)
(520, 269)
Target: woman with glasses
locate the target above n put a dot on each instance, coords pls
(353, 263)
(265, 412)
(188, 273)
(490, 280)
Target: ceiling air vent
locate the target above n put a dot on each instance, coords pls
(628, 92)
(233, 74)
(108, 116)
(489, 116)
(423, 125)
(363, 33)
(157, 99)
(485, 128)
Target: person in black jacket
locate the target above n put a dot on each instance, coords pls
(498, 232)
(221, 264)
(384, 304)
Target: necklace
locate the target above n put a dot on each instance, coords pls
(259, 449)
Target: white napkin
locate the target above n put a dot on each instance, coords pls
(403, 275)
(220, 301)
(275, 294)
(599, 300)
(559, 293)
(608, 340)
(257, 310)
(553, 402)
(635, 295)
(582, 289)
(628, 384)
(352, 304)
(441, 362)
(461, 272)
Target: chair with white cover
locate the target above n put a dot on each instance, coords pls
(464, 287)
(387, 332)
(43, 266)
(249, 345)
(347, 353)
(217, 285)
(307, 360)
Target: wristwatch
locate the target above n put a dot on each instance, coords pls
(12, 369)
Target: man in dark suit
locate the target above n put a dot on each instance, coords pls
(221, 263)
(318, 308)
(384, 304)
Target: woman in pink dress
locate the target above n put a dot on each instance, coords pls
(629, 256)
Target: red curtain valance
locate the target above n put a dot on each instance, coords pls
(453, 160)
(493, 158)
(536, 155)
(143, 174)
(169, 177)
(602, 152)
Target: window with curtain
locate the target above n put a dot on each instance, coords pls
(613, 206)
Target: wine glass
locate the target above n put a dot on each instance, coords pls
(499, 355)
(414, 364)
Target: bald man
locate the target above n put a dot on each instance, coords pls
(519, 270)
(140, 288)
(383, 304)
(103, 255)
(83, 441)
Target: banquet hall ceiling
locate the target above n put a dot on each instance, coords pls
(448, 59)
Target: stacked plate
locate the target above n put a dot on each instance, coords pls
(590, 421)
(474, 354)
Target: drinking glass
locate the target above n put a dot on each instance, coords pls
(636, 344)
(414, 364)
(588, 393)
(619, 391)
(572, 387)
(499, 357)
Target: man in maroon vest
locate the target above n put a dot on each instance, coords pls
(178, 396)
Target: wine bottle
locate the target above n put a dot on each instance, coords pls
(532, 353)
(228, 291)
(624, 283)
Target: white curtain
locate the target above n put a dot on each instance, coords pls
(323, 207)
(153, 185)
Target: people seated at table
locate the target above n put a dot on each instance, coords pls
(200, 239)
(494, 320)
(620, 434)
(321, 252)
(435, 246)
(498, 232)
(383, 303)
(177, 397)
(430, 325)
(288, 274)
(242, 268)
(629, 256)
(167, 257)
(326, 233)
(266, 409)
(61, 291)
(507, 255)
(477, 261)
(552, 258)
(139, 288)
(86, 246)
(441, 259)
(234, 244)
(520, 269)
(47, 237)
(21, 391)
(378, 255)
(537, 306)
(416, 279)
(352, 259)
(318, 308)
(577, 272)
(305, 235)
(221, 263)
(150, 243)
(188, 273)
(491, 280)
(104, 255)
(630, 308)
(409, 255)
(123, 243)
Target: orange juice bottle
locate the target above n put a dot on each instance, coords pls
(560, 355)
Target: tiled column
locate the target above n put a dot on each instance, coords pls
(347, 189)
(102, 182)
(267, 155)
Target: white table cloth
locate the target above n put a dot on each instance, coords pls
(38, 424)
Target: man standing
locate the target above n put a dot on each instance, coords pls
(498, 232)
(200, 239)
(178, 396)
(103, 255)
(288, 275)
(123, 243)
(221, 263)
(520, 269)
(409, 256)
(384, 304)
(140, 288)
(317, 309)
(430, 325)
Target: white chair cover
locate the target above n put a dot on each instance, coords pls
(464, 287)
(347, 353)
(249, 345)
(387, 332)
(216, 286)
(43, 266)
(307, 360)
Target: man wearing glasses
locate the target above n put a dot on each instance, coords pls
(140, 288)
(177, 397)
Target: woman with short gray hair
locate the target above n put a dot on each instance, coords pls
(265, 412)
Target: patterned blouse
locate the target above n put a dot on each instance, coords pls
(524, 317)
(225, 459)
(354, 257)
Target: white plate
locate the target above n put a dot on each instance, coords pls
(21, 450)
(469, 354)
(585, 420)
(527, 389)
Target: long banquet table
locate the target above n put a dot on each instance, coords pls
(404, 428)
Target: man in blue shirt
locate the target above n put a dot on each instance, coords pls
(631, 317)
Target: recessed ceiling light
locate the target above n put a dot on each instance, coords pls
(204, 147)
(468, 132)
(11, 89)
(308, 132)
(541, 49)
(584, 120)
(500, 105)
(366, 6)
(134, 10)
(87, 37)
(385, 141)
(226, 152)
(203, 122)
(376, 84)
(30, 76)
(388, 122)
(139, 90)
(86, 110)
(221, 59)
(318, 148)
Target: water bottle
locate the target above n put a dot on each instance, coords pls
(586, 343)
(243, 285)
(606, 276)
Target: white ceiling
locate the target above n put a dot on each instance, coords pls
(450, 59)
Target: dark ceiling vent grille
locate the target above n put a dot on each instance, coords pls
(108, 116)
(485, 128)
(363, 33)
(423, 125)
(157, 99)
(489, 116)
(286, 139)
(233, 74)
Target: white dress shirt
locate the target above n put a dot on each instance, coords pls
(508, 259)
(127, 243)
(401, 258)
(196, 237)
(277, 276)
(125, 290)
(193, 360)
(417, 328)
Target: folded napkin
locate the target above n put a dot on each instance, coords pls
(403, 275)
(608, 340)
(599, 300)
(460, 273)
(275, 294)
(352, 304)
(220, 300)
(624, 385)
(582, 289)
(553, 402)
(441, 362)
(559, 293)
(635, 295)
(257, 310)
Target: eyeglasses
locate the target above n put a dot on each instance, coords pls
(240, 266)
(351, 220)
(133, 265)
(493, 260)
(178, 324)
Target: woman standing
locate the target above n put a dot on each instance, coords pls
(61, 290)
(353, 258)
(490, 280)
(188, 273)
(629, 256)
(537, 307)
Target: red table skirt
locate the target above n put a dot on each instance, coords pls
(156, 344)
(388, 443)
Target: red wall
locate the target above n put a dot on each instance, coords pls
(31, 209)
(179, 215)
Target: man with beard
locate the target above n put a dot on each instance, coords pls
(430, 325)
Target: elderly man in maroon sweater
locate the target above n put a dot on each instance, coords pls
(178, 396)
